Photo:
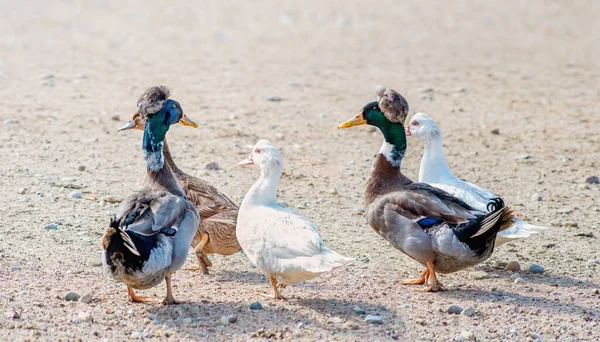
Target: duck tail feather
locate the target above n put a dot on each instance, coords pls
(497, 212)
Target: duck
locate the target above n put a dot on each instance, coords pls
(218, 213)
(434, 171)
(437, 230)
(149, 238)
(282, 243)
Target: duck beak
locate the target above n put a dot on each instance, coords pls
(247, 161)
(408, 133)
(187, 122)
(127, 126)
(358, 120)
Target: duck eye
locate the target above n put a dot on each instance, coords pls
(415, 123)
(257, 150)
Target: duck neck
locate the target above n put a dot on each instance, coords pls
(433, 165)
(169, 159)
(386, 175)
(159, 175)
(264, 191)
(394, 144)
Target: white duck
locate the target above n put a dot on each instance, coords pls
(434, 171)
(282, 243)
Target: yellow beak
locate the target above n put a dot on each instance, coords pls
(358, 120)
(187, 122)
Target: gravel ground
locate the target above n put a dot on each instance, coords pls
(514, 86)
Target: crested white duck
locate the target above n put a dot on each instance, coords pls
(439, 231)
(435, 172)
(282, 243)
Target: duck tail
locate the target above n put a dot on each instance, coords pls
(327, 261)
(517, 229)
(498, 213)
(116, 235)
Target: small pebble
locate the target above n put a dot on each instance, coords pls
(86, 298)
(358, 310)
(115, 118)
(513, 266)
(333, 191)
(515, 276)
(130, 313)
(358, 211)
(81, 168)
(467, 335)
(495, 131)
(225, 320)
(592, 180)
(593, 262)
(454, 309)
(468, 312)
(256, 306)
(536, 269)
(522, 156)
(21, 191)
(136, 334)
(51, 226)
(72, 296)
(519, 280)
(112, 199)
(187, 321)
(10, 122)
(85, 316)
(373, 319)
(212, 166)
(15, 268)
(75, 194)
(283, 204)
(536, 197)
(273, 98)
(570, 224)
(478, 275)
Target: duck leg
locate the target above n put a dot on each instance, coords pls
(137, 299)
(201, 258)
(421, 280)
(434, 284)
(169, 299)
(274, 285)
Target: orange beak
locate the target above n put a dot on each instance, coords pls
(247, 161)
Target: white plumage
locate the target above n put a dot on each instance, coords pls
(282, 243)
(435, 172)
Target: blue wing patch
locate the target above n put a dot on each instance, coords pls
(429, 222)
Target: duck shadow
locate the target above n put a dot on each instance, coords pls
(536, 301)
(346, 309)
(255, 277)
(547, 278)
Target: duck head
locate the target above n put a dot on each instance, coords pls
(156, 112)
(264, 154)
(422, 127)
(388, 114)
(390, 109)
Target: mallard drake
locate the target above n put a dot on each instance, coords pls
(439, 231)
(216, 233)
(150, 236)
(435, 172)
(282, 243)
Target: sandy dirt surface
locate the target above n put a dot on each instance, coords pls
(70, 75)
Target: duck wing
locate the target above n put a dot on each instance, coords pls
(212, 204)
(420, 200)
(147, 213)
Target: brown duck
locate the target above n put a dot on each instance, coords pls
(216, 232)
